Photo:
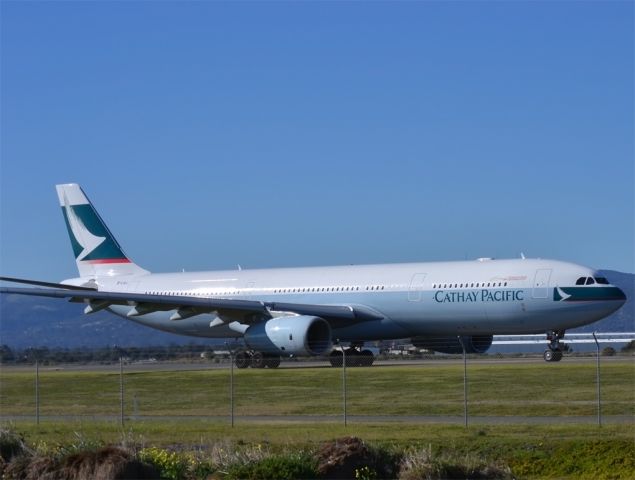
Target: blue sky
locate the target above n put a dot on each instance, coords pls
(265, 134)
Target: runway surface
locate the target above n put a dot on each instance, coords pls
(145, 366)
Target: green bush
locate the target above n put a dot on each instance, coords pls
(11, 444)
(171, 465)
(277, 467)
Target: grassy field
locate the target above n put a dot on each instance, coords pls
(192, 409)
(497, 389)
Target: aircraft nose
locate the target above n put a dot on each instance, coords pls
(620, 295)
(615, 297)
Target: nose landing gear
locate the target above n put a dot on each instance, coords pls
(555, 349)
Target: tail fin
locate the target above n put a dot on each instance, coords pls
(97, 253)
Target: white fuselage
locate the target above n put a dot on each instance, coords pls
(481, 297)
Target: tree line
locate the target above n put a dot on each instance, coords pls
(109, 354)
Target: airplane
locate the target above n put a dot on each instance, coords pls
(448, 307)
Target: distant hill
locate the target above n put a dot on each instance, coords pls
(46, 322)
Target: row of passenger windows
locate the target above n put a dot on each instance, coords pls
(468, 285)
(327, 289)
(591, 281)
(192, 294)
(277, 290)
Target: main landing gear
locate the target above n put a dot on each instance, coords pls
(253, 359)
(555, 349)
(355, 357)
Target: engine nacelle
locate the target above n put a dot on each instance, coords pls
(293, 335)
(473, 343)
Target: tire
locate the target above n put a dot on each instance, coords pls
(367, 358)
(548, 355)
(258, 360)
(272, 362)
(242, 359)
(335, 357)
(557, 355)
(353, 358)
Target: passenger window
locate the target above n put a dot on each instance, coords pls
(580, 281)
(590, 281)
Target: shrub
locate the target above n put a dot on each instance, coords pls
(608, 351)
(171, 465)
(350, 457)
(11, 444)
(422, 463)
(276, 467)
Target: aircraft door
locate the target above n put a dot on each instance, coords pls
(541, 283)
(416, 287)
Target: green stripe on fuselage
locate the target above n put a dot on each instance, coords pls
(589, 294)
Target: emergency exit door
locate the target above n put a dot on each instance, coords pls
(541, 283)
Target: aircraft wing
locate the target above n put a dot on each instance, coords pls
(244, 311)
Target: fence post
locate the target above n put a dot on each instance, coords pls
(37, 391)
(337, 342)
(121, 392)
(231, 383)
(464, 380)
(597, 378)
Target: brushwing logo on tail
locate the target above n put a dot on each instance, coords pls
(83, 236)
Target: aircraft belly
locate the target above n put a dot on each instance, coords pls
(371, 330)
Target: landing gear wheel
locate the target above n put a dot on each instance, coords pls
(242, 359)
(548, 355)
(353, 358)
(335, 357)
(258, 360)
(555, 349)
(272, 362)
(552, 355)
(366, 358)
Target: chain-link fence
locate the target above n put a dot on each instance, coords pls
(432, 388)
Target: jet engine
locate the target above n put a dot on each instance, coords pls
(473, 343)
(292, 335)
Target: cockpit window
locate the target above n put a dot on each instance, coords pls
(601, 280)
(590, 281)
(580, 281)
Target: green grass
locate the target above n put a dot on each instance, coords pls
(190, 432)
(523, 389)
(196, 409)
